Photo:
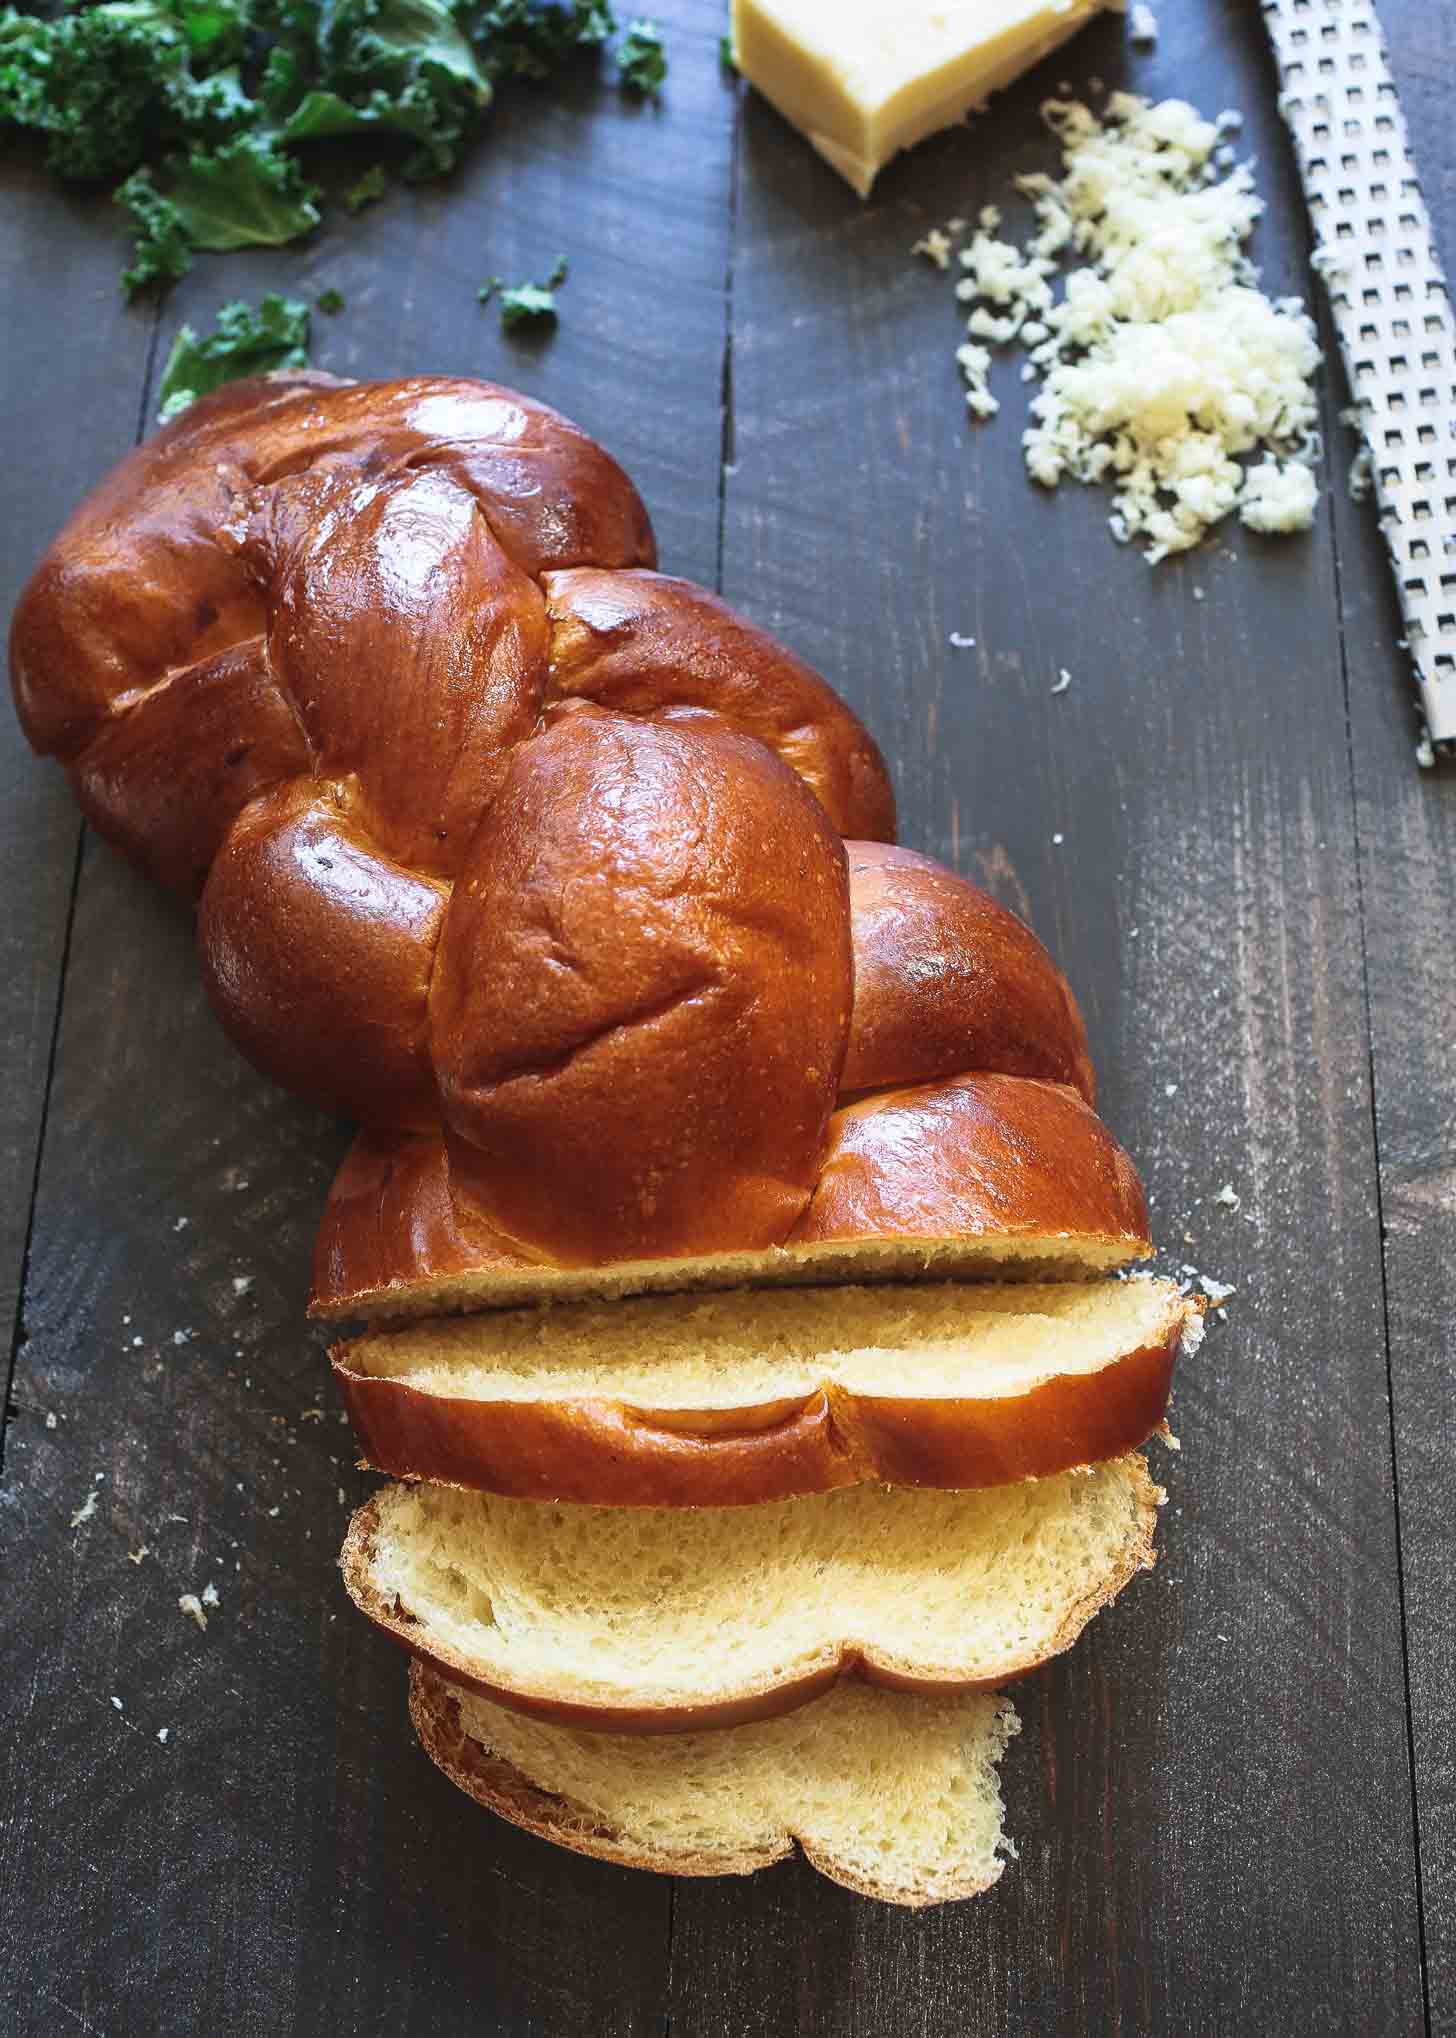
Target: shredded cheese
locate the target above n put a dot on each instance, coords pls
(1168, 375)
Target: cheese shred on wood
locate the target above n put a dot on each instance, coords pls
(1166, 372)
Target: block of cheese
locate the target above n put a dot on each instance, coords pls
(864, 79)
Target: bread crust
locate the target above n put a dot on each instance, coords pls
(947, 980)
(642, 993)
(977, 1154)
(607, 1452)
(753, 1700)
(503, 1788)
(149, 573)
(316, 952)
(644, 643)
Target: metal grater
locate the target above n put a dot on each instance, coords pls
(1392, 313)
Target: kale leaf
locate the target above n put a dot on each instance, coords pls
(247, 194)
(526, 303)
(162, 250)
(642, 58)
(246, 342)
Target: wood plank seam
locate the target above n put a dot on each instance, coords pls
(1331, 426)
(17, 1328)
(728, 433)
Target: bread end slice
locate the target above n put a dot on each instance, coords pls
(894, 1795)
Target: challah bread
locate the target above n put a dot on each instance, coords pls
(660, 1620)
(574, 888)
(712, 1400)
(894, 1794)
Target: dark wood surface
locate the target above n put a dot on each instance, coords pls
(1235, 1801)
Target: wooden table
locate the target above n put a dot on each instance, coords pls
(1235, 1801)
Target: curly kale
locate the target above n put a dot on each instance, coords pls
(246, 342)
(642, 59)
(198, 111)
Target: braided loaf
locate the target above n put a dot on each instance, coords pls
(578, 891)
(533, 860)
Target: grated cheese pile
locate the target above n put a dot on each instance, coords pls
(1163, 364)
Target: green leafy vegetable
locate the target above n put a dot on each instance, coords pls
(162, 249)
(523, 39)
(373, 184)
(201, 114)
(525, 303)
(642, 58)
(246, 342)
(727, 55)
(245, 195)
(331, 301)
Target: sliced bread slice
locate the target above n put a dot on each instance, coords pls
(893, 1794)
(694, 1400)
(660, 1620)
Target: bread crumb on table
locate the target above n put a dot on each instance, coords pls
(191, 1605)
(935, 246)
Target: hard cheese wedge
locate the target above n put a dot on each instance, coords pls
(867, 78)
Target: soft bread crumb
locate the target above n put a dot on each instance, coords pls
(675, 1608)
(893, 1793)
(700, 1352)
(191, 1605)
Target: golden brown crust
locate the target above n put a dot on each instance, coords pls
(758, 1698)
(414, 648)
(392, 1227)
(151, 571)
(642, 993)
(976, 1155)
(293, 648)
(646, 644)
(946, 980)
(165, 781)
(316, 952)
(604, 1452)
